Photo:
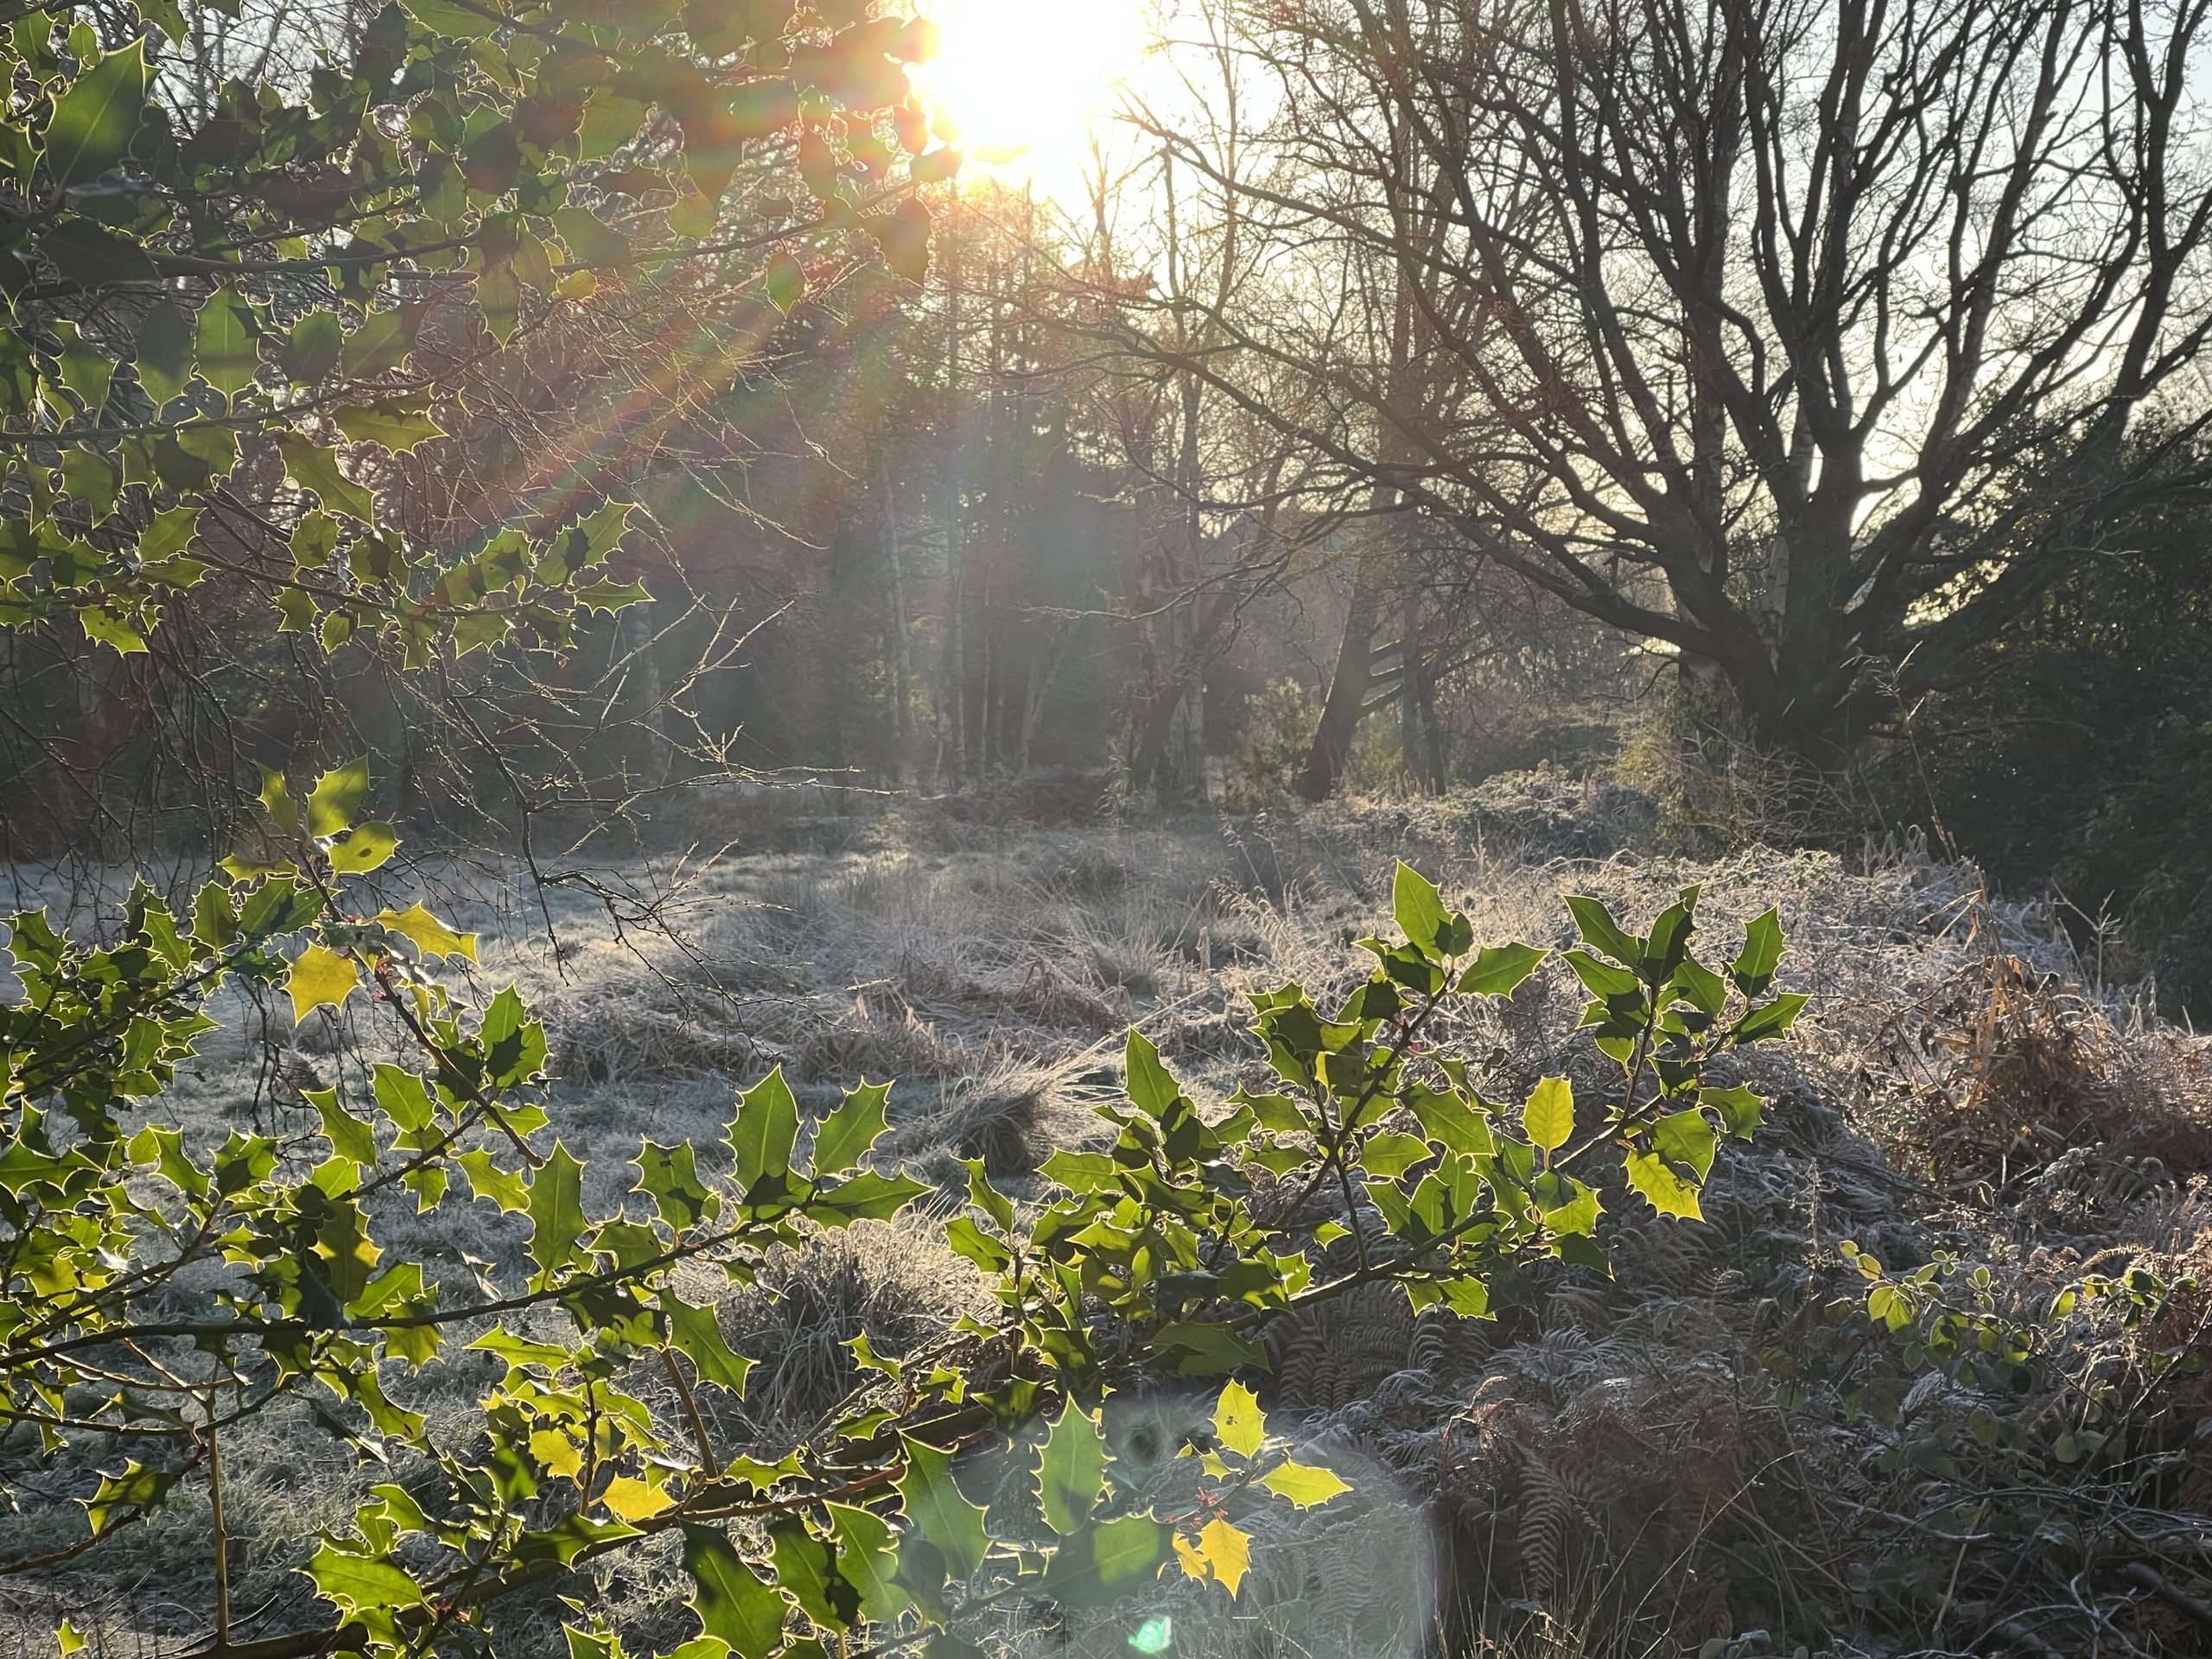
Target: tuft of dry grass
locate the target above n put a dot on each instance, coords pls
(898, 1284)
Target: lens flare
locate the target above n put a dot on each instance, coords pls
(1153, 1635)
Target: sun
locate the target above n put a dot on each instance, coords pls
(1022, 84)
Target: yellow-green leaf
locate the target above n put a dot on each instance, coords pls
(226, 341)
(363, 848)
(314, 467)
(633, 1499)
(1237, 1421)
(1548, 1117)
(487, 1181)
(1071, 1470)
(320, 977)
(430, 935)
(109, 630)
(395, 427)
(556, 1211)
(1227, 1552)
(1304, 1484)
(336, 795)
(1666, 1191)
(94, 120)
(349, 1137)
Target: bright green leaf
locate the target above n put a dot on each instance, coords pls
(1547, 1118)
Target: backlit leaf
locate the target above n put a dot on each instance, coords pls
(846, 1133)
(1304, 1484)
(336, 795)
(1666, 1191)
(364, 848)
(430, 935)
(1238, 1420)
(695, 1333)
(397, 428)
(556, 1211)
(1499, 969)
(1547, 1118)
(320, 977)
(1685, 1138)
(1226, 1553)
(764, 1130)
(1416, 906)
(1150, 1085)
(225, 341)
(1071, 1470)
(93, 121)
(940, 1510)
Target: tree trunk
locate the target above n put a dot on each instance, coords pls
(1421, 742)
(1347, 680)
(894, 623)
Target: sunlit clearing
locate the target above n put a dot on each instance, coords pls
(1021, 82)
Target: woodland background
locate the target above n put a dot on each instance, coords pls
(1053, 616)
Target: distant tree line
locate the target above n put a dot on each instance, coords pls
(1421, 388)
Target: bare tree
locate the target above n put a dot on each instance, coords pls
(1812, 339)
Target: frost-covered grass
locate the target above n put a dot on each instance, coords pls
(1611, 1453)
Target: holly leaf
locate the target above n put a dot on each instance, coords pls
(94, 121)
(362, 849)
(103, 628)
(940, 1510)
(1499, 969)
(1753, 969)
(846, 1133)
(867, 1562)
(633, 1499)
(1226, 1552)
(1666, 1191)
(1304, 1484)
(359, 1583)
(429, 935)
(487, 1181)
(1548, 1117)
(783, 281)
(1071, 1470)
(764, 1130)
(164, 351)
(1601, 931)
(349, 1137)
(1151, 1085)
(225, 341)
(397, 428)
(320, 977)
(92, 256)
(1417, 906)
(1685, 1138)
(556, 1212)
(732, 1603)
(695, 1333)
(1740, 1108)
(336, 794)
(1238, 1423)
(314, 467)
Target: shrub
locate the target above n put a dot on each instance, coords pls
(2071, 751)
(1370, 1158)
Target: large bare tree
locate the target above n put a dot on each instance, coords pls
(1811, 337)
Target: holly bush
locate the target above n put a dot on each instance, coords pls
(241, 281)
(1371, 1155)
(289, 278)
